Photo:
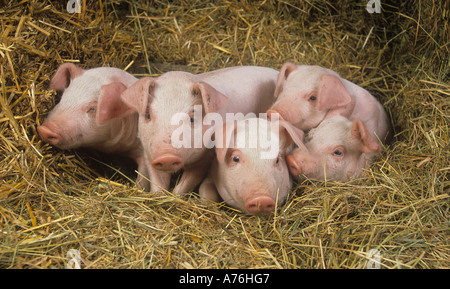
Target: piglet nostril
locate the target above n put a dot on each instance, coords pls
(167, 163)
(260, 205)
(48, 135)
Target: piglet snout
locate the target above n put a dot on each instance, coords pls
(167, 162)
(271, 111)
(48, 135)
(294, 166)
(260, 205)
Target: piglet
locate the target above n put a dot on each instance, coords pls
(177, 111)
(306, 95)
(90, 111)
(249, 172)
(337, 149)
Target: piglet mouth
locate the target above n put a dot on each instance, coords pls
(56, 137)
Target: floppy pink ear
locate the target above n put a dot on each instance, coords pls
(368, 143)
(212, 99)
(286, 69)
(64, 75)
(140, 94)
(289, 133)
(224, 136)
(110, 105)
(332, 93)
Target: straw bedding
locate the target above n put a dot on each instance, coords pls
(52, 201)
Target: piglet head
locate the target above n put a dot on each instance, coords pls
(247, 178)
(337, 149)
(89, 106)
(171, 110)
(305, 94)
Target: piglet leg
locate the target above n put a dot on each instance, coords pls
(160, 181)
(194, 174)
(143, 174)
(208, 190)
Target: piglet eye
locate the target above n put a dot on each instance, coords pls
(236, 159)
(147, 116)
(92, 109)
(338, 152)
(192, 120)
(278, 160)
(312, 97)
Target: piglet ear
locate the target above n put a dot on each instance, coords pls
(332, 93)
(368, 143)
(139, 95)
(224, 137)
(212, 99)
(110, 105)
(286, 69)
(64, 75)
(290, 134)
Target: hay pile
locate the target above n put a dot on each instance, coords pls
(52, 200)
